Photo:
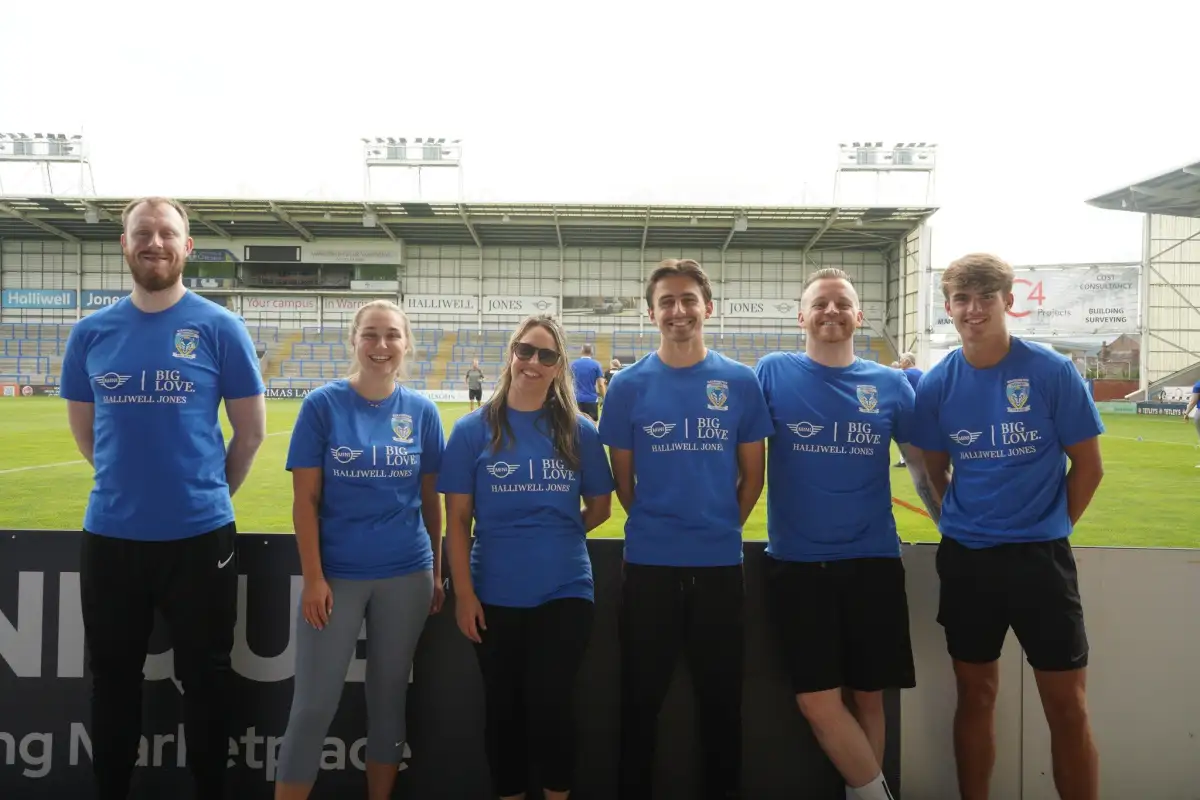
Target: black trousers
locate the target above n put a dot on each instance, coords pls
(529, 658)
(193, 583)
(696, 610)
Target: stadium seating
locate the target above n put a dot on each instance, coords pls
(31, 353)
(312, 356)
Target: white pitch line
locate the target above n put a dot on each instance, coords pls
(41, 466)
(1146, 441)
(82, 461)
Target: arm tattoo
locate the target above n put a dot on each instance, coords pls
(925, 491)
(921, 483)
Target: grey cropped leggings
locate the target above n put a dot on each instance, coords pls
(395, 610)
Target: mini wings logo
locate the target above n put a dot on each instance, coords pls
(659, 429)
(111, 380)
(344, 455)
(402, 428)
(1017, 393)
(965, 438)
(501, 469)
(804, 429)
(186, 342)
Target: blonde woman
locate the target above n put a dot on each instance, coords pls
(528, 470)
(364, 459)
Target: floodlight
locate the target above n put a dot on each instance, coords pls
(45, 149)
(424, 151)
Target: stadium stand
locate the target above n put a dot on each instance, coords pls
(31, 353)
(311, 356)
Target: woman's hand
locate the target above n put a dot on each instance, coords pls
(439, 597)
(469, 612)
(317, 602)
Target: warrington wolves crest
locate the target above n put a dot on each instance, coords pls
(186, 342)
(402, 428)
(868, 399)
(1017, 392)
(718, 395)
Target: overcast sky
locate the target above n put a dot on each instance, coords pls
(1035, 108)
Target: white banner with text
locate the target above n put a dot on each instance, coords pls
(454, 304)
(291, 302)
(759, 307)
(1091, 300)
(519, 306)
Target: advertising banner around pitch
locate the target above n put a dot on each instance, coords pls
(94, 299)
(519, 306)
(38, 298)
(296, 302)
(449, 304)
(759, 308)
(46, 733)
(1092, 300)
(348, 305)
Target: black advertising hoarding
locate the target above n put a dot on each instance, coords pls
(1162, 409)
(44, 719)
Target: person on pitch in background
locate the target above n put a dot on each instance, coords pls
(587, 375)
(1011, 417)
(364, 457)
(908, 365)
(475, 379)
(522, 468)
(1191, 407)
(143, 380)
(834, 579)
(686, 428)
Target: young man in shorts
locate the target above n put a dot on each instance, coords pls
(834, 579)
(1011, 416)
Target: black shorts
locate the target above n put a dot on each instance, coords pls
(842, 623)
(475, 394)
(591, 409)
(1031, 587)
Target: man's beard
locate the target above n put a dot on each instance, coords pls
(154, 280)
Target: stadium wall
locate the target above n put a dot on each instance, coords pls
(597, 289)
(1142, 630)
(1171, 292)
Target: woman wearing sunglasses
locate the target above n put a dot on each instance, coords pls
(529, 471)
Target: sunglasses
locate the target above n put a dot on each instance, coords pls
(546, 357)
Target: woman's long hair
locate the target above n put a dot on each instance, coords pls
(559, 406)
(400, 370)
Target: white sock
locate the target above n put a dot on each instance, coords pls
(875, 790)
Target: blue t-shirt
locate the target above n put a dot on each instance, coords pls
(1005, 428)
(586, 372)
(684, 426)
(828, 463)
(157, 381)
(914, 376)
(372, 457)
(530, 543)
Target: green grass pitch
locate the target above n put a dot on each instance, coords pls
(1147, 498)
